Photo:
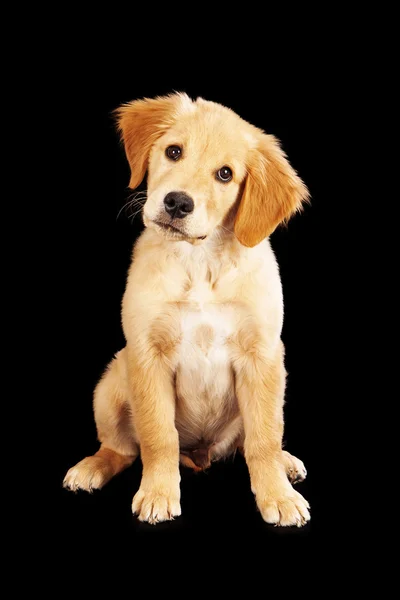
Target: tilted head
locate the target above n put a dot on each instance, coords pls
(207, 166)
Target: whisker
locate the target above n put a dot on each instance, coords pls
(137, 199)
(226, 229)
(136, 213)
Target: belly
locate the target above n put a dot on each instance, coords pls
(205, 391)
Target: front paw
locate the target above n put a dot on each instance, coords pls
(284, 507)
(154, 504)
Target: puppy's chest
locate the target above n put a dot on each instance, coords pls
(204, 375)
(206, 324)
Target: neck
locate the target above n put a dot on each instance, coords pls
(220, 242)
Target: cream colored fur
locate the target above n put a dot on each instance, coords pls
(202, 313)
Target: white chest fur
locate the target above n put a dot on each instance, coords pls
(206, 400)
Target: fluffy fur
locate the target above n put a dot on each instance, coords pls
(202, 373)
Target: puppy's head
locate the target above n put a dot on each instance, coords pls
(205, 166)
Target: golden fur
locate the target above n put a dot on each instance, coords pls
(202, 372)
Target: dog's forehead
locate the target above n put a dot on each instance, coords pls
(213, 128)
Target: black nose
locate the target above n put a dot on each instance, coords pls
(178, 204)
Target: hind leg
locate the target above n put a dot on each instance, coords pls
(115, 430)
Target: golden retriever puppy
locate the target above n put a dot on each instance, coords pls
(202, 372)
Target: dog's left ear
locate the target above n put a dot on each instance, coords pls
(273, 192)
(141, 122)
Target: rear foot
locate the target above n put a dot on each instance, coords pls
(90, 474)
(93, 472)
(295, 469)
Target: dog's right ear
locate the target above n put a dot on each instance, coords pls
(141, 122)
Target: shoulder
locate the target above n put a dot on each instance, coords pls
(261, 261)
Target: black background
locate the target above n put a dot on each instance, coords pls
(87, 251)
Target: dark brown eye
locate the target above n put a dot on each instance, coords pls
(173, 152)
(224, 174)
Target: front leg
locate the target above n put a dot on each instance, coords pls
(260, 386)
(153, 407)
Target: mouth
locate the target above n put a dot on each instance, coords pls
(172, 229)
(169, 227)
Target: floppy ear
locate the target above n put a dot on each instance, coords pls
(273, 192)
(141, 122)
